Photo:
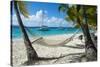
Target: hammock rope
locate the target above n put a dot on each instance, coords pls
(42, 41)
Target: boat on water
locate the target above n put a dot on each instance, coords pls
(44, 28)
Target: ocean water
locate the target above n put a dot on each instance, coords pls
(34, 31)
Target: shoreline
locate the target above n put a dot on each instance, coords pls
(73, 47)
(49, 36)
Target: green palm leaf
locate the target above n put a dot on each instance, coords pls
(22, 8)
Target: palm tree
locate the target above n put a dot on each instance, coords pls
(31, 53)
(19, 7)
(81, 16)
(89, 44)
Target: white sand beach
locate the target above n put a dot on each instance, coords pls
(73, 47)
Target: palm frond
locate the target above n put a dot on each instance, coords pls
(77, 26)
(62, 8)
(22, 8)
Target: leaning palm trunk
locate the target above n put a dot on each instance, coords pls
(90, 49)
(31, 53)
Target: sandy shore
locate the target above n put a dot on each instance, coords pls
(74, 47)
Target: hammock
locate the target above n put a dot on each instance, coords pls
(42, 41)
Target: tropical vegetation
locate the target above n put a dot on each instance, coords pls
(83, 16)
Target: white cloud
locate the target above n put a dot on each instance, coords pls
(36, 19)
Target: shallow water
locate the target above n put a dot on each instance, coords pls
(34, 31)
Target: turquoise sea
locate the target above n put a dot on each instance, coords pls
(34, 31)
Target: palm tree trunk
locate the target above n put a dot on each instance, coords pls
(90, 50)
(31, 53)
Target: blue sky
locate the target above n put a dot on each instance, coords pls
(43, 12)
